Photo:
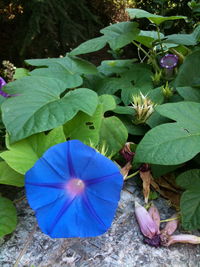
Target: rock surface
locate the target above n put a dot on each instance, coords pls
(121, 246)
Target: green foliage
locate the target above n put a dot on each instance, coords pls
(172, 143)
(190, 200)
(139, 13)
(117, 35)
(22, 155)
(8, 216)
(125, 99)
(9, 176)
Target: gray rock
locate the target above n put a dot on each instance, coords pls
(121, 246)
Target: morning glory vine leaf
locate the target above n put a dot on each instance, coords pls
(139, 13)
(84, 127)
(90, 46)
(9, 176)
(67, 69)
(148, 37)
(113, 135)
(8, 216)
(97, 130)
(111, 67)
(38, 106)
(117, 35)
(191, 67)
(137, 79)
(184, 39)
(189, 93)
(172, 143)
(121, 34)
(22, 155)
(190, 199)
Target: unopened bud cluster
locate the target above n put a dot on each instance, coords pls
(167, 90)
(144, 107)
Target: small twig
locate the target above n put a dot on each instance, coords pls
(29, 239)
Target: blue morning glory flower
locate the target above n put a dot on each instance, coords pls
(74, 190)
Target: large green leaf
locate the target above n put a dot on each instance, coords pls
(120, 34)
(68, 64)
(132, 128)
(191, 67)
(10, 177)
(148, 37)
(20, 73)
(22, 155)
(98, 130)
(110, 67)
(172, 143)
(108, 102)
(67, 70)
(113, 134)
(8, 216)
(139, 13)
(84, 127)
(89, 46)
(159, 170)
(40, 108)
(137, 79)
(117, 35)
(189, 93)
(190, 199)
(184, 39)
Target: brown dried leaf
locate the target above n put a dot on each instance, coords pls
(146, 178)
(172, 195)
(125, 170)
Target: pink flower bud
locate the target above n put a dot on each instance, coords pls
(147, 226)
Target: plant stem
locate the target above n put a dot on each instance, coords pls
(170, 219)
(132, 175)
(159, 39)
(150, 57)
(139, 47)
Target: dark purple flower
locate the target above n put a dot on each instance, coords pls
(127, 153)
(169, 61)
(74, 190)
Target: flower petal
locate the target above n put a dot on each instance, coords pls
(191, 239)
(37, 193)
(171, 226)
(155, 215)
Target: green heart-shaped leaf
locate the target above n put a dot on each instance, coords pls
(190, 199)
(8, 216)
(172, 143)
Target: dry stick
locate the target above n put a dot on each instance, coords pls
(29, 239)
